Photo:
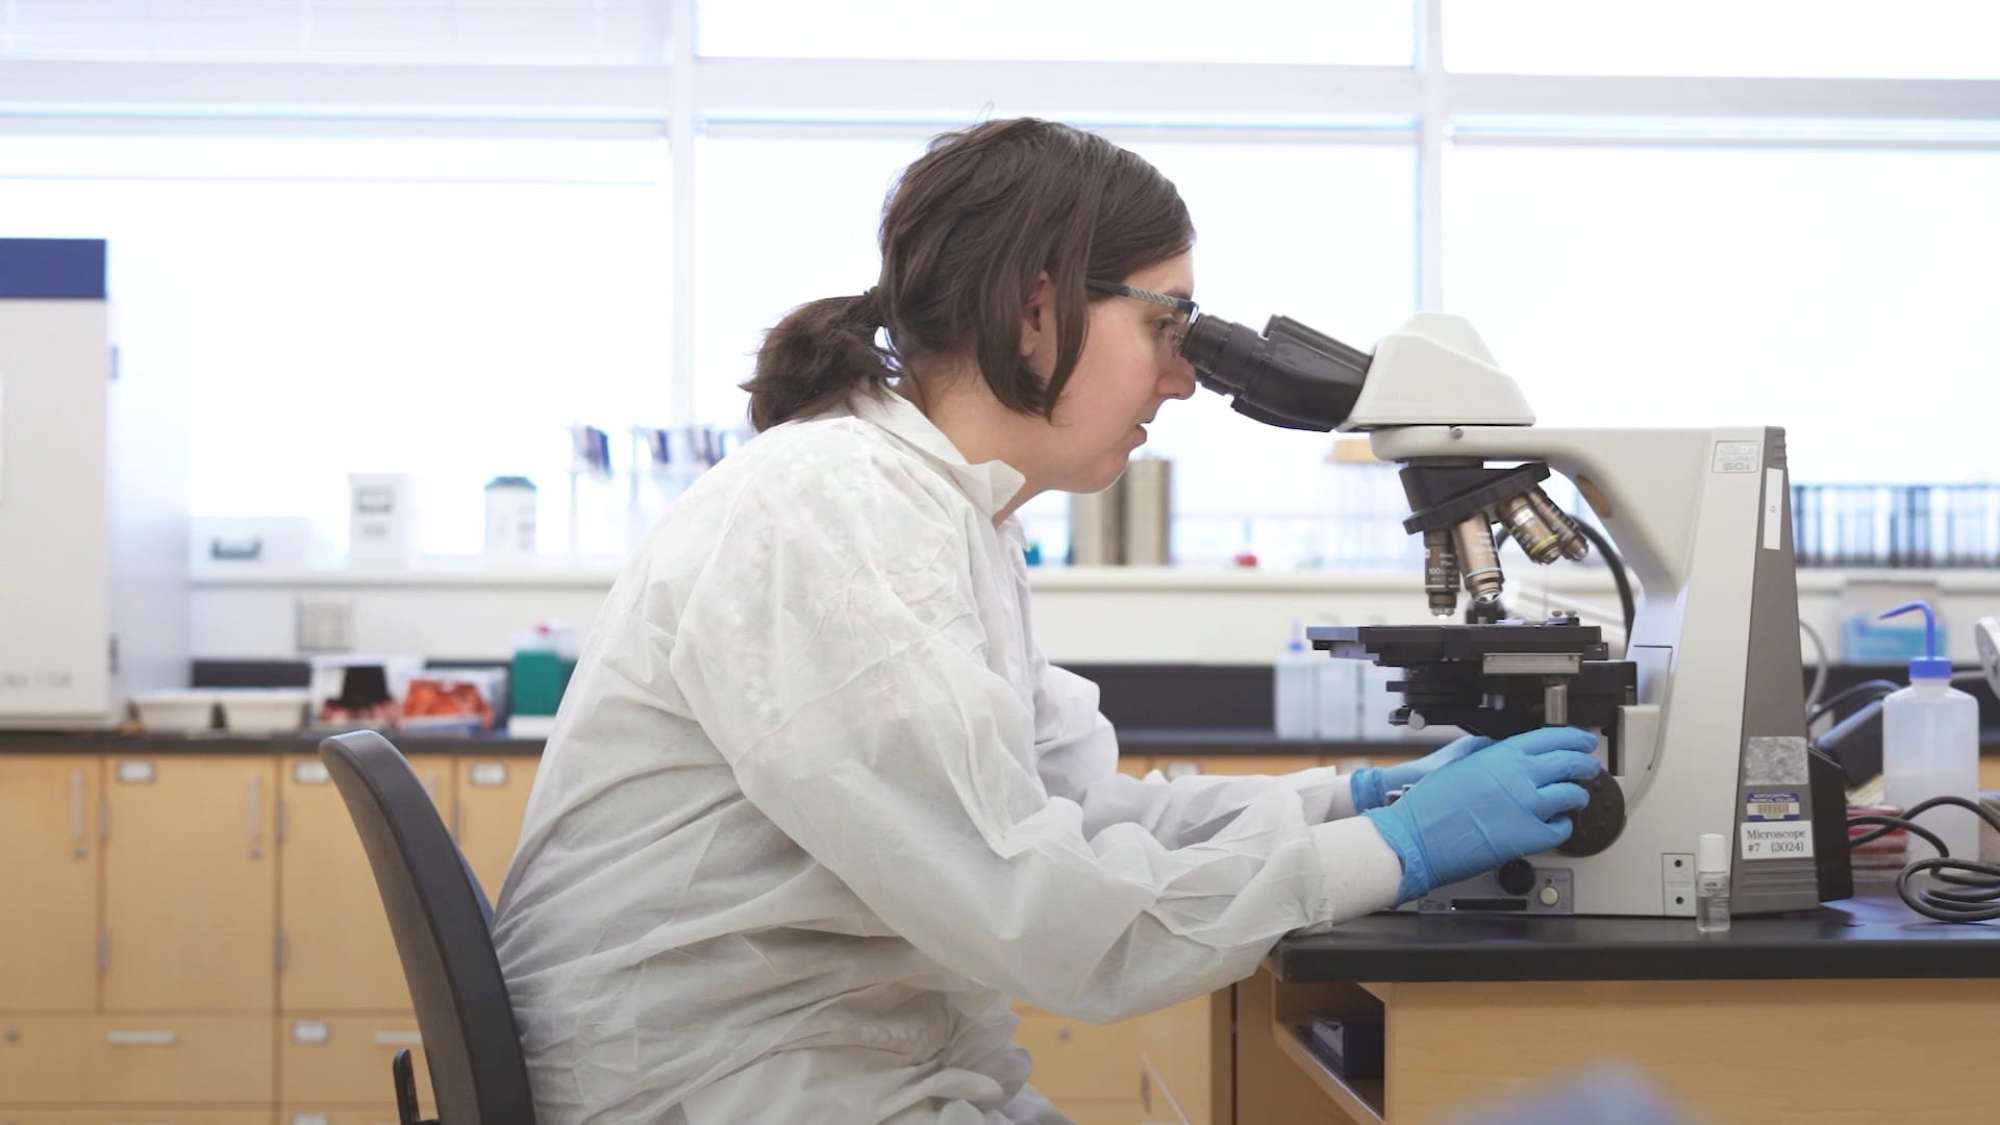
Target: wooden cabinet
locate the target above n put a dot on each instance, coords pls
(1178, 1049)
(143, 1115)
(140, 1060)
(336, 951)
(1090, 1071)
(190, 883)
(1156, 1067)
(341, 1063)
(159, 909)
(48, 892)
(488, 802)
(1237, 764)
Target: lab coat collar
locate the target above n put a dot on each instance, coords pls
(989, 485)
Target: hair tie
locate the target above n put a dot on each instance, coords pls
(870, 306)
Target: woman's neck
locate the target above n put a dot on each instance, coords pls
(978, 425)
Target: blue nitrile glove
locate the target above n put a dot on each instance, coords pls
(1496, 804)
(1372, 785)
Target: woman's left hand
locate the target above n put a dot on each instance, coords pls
(1372, 784)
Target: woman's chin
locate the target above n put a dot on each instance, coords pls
(1098, 479)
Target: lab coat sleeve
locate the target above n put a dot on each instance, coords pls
(1076, 753)
(833, 653)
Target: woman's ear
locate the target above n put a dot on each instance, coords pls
(1038, 323)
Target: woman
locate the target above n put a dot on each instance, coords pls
(817, 807)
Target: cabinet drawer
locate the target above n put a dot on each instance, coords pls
(1073, 1059)
(338, 954)
(147, 1060)
(311, 1115)
(48, 836)
(344, 1061)
(139, 1115)
(190, 884)
(1096, 1111)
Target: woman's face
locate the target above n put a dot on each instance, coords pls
(1128, 368)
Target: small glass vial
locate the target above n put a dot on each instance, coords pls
(1711, 884)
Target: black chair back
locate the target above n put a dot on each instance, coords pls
(443, 929)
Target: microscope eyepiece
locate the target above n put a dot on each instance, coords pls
(1289, 376)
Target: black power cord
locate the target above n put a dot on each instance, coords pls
(1976, 902)
(1617, 564)
(1865, 687)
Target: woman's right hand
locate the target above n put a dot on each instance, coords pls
(1508, 800)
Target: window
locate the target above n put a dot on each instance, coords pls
(546, 32)
(330, 321)
(782, 221)
(1845, 295)
(1355, 32)
(1725, 38)
(1324, 234)
(1652, 247)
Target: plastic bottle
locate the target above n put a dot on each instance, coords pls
(1339, 699)
(1296, 682)
(510, 520)
(1930, 745)
(1711, 883)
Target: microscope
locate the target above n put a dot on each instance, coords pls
(1701, 721)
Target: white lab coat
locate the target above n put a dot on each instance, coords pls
(816, 807)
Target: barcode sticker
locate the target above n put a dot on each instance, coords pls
(1764, 804)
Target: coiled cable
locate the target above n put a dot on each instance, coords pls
(1977, 894)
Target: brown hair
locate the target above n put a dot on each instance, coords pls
(966, 233)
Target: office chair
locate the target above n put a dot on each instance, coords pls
(443, 927)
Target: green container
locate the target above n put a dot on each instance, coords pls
(539, 677)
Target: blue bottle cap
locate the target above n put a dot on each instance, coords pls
(1929, 666)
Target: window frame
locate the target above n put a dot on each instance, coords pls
(682, 95)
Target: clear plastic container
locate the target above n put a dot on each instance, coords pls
(1930, 748)
(1339, 699)
(263, 710)
(1296, 682)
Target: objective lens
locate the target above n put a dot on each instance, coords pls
(1440, 573)
(1480, 562)
(1536, 537)
(1574, 546)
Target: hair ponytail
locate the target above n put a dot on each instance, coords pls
(814, 357)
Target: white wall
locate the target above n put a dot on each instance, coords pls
(1083, 615)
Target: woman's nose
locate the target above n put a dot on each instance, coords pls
(1178, 381)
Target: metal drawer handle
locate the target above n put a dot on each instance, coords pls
(76, 824)
(256, 787)
(399, 1039)
(142, 1038)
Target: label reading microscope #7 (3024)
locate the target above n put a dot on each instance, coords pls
(1790, 839)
